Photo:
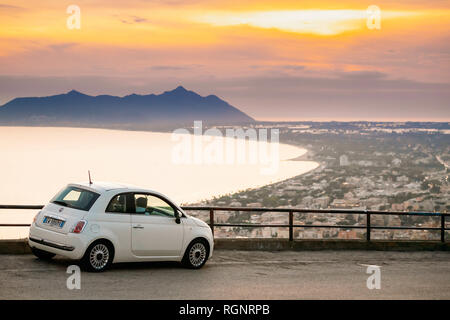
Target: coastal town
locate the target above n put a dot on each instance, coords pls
(363, 166)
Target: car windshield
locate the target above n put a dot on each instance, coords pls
(76, 198)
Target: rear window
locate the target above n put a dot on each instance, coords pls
(76, 198)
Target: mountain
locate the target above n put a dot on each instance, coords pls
(174, 108)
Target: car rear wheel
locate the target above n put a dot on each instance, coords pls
(196, 254)
(98, 257)
(41, 254)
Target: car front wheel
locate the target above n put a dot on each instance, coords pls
(98, 257)
(196, 254)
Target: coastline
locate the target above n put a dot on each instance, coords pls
(34, 140)
(301, 158)
(37, 161)
(304, 157)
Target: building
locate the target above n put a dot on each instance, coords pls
(322, 202)
(347, 234)
(396, 162)
(343, 160)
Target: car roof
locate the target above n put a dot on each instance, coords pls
(102, 187)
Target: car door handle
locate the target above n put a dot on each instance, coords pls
(138, 227)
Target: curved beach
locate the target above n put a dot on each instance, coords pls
(37, 161)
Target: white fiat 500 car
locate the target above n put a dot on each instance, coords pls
(104, 223)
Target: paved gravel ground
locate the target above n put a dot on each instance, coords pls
(239, 275)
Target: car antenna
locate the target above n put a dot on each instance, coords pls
(89, 173)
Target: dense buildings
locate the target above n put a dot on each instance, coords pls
(373, 166)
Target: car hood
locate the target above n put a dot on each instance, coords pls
(199, 222)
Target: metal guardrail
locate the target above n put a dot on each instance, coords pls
(291, 224)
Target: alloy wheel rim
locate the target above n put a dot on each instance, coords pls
(99, 256)
(197, 254)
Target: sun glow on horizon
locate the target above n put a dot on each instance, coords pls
(319, 22)
(268, 57)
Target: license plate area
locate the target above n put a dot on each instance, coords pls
(53, 222)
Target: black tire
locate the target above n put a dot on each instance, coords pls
(98, 256)
(196, 254)
(41, 254)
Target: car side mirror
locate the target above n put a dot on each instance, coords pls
(177, 217)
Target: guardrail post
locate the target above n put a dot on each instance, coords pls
(291, 226)
(211, 220)
(368, 226)
(442, 228)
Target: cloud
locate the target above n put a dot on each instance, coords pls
(175, 67)
(165, 68)
(11, 10)
(62, 46)
(293, 67)
(362, 75)
(10, 7)
(289, 67)
(133, 20)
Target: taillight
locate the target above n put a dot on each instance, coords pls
(36, 216)
(79, 226)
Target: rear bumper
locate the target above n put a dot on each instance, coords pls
(52, 244)
(69, 245)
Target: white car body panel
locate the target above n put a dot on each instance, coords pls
(159, 239)
(156, 236)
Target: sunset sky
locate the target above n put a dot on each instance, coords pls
(275, 60)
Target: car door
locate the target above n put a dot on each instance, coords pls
(154, 229)
(117, 220)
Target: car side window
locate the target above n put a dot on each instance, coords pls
(150, 205)
(118, 204)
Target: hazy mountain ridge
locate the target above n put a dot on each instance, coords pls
(171, 108)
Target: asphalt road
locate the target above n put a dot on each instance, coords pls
(239, 275)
